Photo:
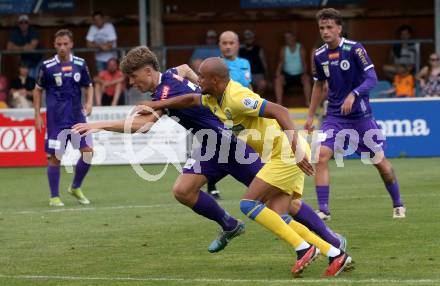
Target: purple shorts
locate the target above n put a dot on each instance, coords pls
(363, 135)
(242, 164)
(57, 138)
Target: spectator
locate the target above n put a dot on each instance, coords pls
(109, 85)
(292, 69)
(404, 83)
(402, 53)
(24, 38)
(102, 35)
(429, 77)
(255, 55)
(203, 53)
(3, 91)
(21, 89)
(239, 68)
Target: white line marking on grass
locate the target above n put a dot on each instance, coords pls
(226, 280)
(223, 202)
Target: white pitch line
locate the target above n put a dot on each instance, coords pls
(226, 280)
(223, 202)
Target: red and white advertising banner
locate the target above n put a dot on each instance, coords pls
(22, 145)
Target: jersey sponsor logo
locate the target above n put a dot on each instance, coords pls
(325, 68)
(404, 128)
(80, 63)
(334, 63)
(17, 139)
(228, 113)
(165, 91)
(361, 54)
(333, 56)
(346, 48)
(66, 69)
(58, 79)
(77, 77)
(345, 65)
(69, 74)
(250, 103)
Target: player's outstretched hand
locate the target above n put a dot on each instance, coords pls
(306, 167)
(39, 123)
(309, 125)
(348, 104)
(84, 129)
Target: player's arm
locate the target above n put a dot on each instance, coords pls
(38, 91)
(282, 116)
(365, 66)
(131, 124)
(186, 72)
(178, 102)
(89, 100)
(318, 96)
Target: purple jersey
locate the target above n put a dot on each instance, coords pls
(62, 82)
(195, 118)
(344, 69)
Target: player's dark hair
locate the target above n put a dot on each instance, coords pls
(329, 14)
(138, 58)
(64, 32)
(97, 13)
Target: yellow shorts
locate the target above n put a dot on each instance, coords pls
(284, 174)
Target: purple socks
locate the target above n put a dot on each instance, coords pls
(207, 206)
(53, 175)
(394, 191)
(322, 193)
(81, 170)
(309, 218)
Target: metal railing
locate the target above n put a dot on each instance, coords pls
(163, 51)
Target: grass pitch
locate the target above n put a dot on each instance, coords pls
(135, 233)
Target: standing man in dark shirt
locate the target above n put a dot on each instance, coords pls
(255, 55)
(25, 38)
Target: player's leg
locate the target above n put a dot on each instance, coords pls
(322, 181)
(53, 175)
(389, 178)
(82, 166)
(187, 191)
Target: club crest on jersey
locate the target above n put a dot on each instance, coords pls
(228, 114)
(326, 69)
(58, 79)
(77, 77)
(250, 103)
(345, 65)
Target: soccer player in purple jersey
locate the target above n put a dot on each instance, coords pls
(142, 68)
(350, 75)
(62, 77)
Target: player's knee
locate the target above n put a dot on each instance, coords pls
(87, 155)
(295, 205)
(287, 218)
(183, 195)
(324, 156)
(251, 208)
(53, 160)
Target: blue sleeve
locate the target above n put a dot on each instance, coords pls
(368, 84)
(85, 76)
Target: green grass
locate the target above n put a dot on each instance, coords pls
(136, 230)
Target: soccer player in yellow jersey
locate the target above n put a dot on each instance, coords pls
(261, 123)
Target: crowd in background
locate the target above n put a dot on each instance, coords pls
(245, 59)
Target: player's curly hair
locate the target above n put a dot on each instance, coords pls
(138, 58)
(329, 14)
